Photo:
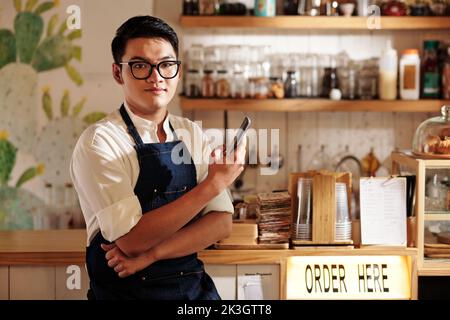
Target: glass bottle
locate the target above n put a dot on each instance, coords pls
(330, 81)
(290, 85)
(430, 70)
(187, 7)
(193, 83)
(446, 77)
(208, 84)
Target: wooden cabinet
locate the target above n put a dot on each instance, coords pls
(32, 283)
(69, 282)
(4, 283)
(431, 218)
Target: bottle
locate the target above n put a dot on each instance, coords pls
(330, 81)
(446, 77)
(290, 85)
(430, 73)
(207, 84)
(410, 75)
(387, 89)
(187, 7)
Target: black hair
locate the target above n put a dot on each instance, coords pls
(142, 27)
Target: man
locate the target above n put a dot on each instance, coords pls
(147, 215)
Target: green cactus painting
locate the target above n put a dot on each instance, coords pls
(32, 47)
(17, 205)
(55, 143)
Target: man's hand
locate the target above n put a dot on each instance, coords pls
(224, 168)
(124, 265)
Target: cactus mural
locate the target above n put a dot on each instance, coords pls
(17, 205)
(55, 143)
(25, 52)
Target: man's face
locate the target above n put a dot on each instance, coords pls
(147, 96)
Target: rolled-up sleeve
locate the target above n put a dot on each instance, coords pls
(223, 201)
(104, 188)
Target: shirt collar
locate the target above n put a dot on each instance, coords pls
(142, 124)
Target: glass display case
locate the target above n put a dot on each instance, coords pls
(431, 217)
(432, 137)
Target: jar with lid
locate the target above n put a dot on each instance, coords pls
(238, 85)
(208, 84)
(430, 70)
(193, 83)
(222, 84)
(291, 85)
(208, 7)
(410, 75)
(276, 88)
(432, 137)
(446, 76)
(368, 79)
(258, 88)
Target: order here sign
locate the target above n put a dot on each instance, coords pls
(348, 277)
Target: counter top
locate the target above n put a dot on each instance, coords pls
(60, 247)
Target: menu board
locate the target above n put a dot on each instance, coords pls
(383, 211)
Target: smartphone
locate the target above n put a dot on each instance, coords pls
(240, 134)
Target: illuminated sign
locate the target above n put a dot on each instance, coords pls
(348, 277)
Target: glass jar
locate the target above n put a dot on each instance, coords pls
(276, 88)
(193, 84)
(222, 84)
(291, 85)
(258, 88)
(432, 137)
(208, 7)
(208, 84)
(368, 80)
(238, 85)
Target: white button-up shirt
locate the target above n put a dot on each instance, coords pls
(104, 170)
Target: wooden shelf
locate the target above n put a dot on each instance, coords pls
(298, 105)
(317, 23)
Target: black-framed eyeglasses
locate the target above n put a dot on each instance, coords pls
(142, 70)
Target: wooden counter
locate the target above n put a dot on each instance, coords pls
(61, 247)
(42, 258)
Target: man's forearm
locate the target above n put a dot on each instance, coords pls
(197, 236)
(161, 223)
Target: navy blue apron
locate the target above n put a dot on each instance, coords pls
(160, 182)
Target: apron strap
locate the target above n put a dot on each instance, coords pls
(132, 129)
(130, 126)
(175, 136)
